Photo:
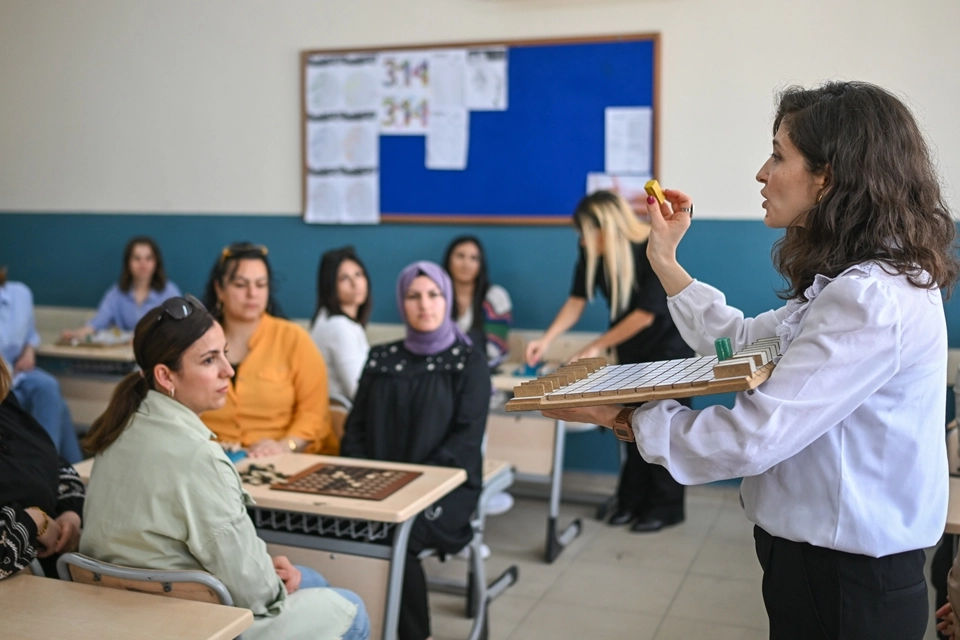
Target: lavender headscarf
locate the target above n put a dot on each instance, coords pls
(430, 342)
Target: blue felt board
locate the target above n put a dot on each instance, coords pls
(533, 158)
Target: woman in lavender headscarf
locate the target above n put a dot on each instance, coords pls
(424, 400)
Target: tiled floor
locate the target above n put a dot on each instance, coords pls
(698, 579)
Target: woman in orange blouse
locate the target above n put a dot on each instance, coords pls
(278, 399)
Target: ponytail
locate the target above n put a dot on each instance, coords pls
(124, 402)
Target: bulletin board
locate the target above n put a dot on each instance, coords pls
(526, 164)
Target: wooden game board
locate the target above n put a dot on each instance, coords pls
(365, 483)
(590, 381)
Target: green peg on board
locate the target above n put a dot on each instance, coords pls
(724, 350)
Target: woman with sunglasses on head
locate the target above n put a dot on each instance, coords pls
(278, 400)
(163, 495)
(142, 285)
(424, 400)
(41, 495)
(343, 310)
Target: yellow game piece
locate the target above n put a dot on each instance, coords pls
(653, 188)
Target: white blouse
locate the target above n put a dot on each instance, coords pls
(343, 344)
(843, 447)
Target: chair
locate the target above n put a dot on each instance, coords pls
(34, 569)
(497, 476)
(186, 585)
(338, 417)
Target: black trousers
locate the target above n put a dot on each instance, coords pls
(813, 593)
(414, 622)
(649, 489)
(448, 533)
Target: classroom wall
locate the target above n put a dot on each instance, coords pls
(133, 106)
(179, 119)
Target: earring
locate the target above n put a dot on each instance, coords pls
(219, 307)
(171, 391)
(819, 197)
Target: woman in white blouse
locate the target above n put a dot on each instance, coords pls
(842, 448)
(343, 310)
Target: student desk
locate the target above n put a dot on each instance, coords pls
(87, 375)
(33, 607)
(356, 544)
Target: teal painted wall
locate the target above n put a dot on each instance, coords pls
(71, 259)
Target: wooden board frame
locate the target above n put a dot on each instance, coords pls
(402, 480)
(482, 219)
(535, 395)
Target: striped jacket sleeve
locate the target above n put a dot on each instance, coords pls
(17, 533)
(70, 491)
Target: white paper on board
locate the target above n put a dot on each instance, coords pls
(629, 140)
(447, 78)
(448, 139)
(341, 84)
(343, 143)
(404, 92)
(342, 146)
(343, 198)
(486, 79)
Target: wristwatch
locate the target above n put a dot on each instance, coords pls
(622, 426)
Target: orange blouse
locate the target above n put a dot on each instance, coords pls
(280, 392)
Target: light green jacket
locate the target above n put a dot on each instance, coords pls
(164, 496)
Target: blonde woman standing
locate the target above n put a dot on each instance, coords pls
(613, 260)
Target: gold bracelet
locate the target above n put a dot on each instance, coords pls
(46, 522)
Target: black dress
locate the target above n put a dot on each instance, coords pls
(32, 474)
(424, 410)
(645, 489)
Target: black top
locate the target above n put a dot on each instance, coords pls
(425, 410)
(659, 341)
(31, 475)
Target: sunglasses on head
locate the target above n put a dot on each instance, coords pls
(242, 251)
(179, 308)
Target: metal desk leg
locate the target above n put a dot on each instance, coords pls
(398, 560)
(556, 543)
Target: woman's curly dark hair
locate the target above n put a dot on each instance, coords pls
(882, 201)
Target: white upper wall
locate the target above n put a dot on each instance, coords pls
(192, 106)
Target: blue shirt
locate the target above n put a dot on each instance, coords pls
(17, 327)
(120, 309)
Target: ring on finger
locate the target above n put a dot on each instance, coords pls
(688, 209)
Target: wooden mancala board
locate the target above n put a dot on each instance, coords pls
(590, 381)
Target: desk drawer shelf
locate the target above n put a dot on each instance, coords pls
(353, 529)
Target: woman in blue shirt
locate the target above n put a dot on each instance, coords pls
(143, 285)
(37, 392)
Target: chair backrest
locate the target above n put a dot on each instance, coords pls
(186, 585)
(338, 417)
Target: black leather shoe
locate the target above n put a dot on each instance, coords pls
(649, 524)
(620, 517)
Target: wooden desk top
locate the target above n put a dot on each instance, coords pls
(407, 502)
(953, 508)
(33, 607)
(433, 484)
(123, 353)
